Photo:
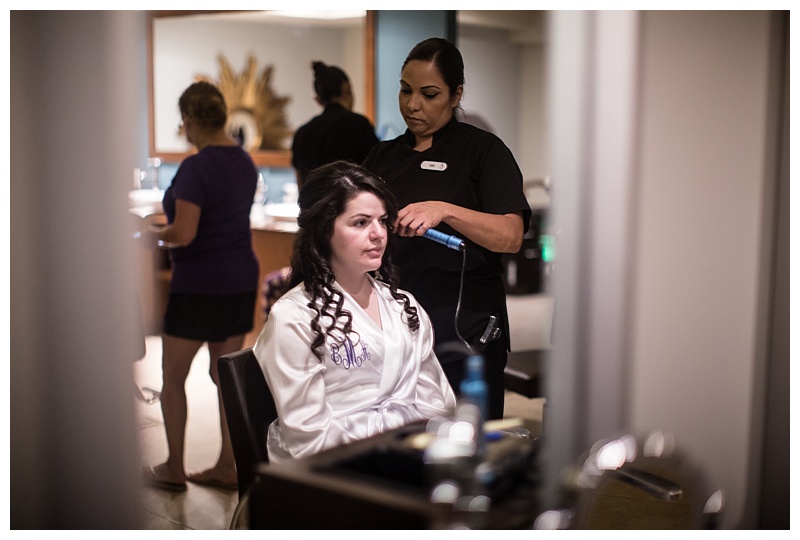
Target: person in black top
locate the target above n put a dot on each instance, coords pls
(460, 180)
(336, 134)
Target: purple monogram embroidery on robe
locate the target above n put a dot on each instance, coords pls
(350, 358)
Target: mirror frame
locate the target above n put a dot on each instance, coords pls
(262, 158)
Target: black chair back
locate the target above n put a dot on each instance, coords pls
(249, 409)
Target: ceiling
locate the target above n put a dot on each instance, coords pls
(525, 26)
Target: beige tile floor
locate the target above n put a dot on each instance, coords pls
(199, 507)
(204, 508)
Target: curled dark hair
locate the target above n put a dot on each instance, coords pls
(445, 56)
(328, 81)
(204, 104)
(323, 197)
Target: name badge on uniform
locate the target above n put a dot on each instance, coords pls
(433, 165)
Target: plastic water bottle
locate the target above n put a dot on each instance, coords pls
(455, 460)
(473, 386)
(473, 390)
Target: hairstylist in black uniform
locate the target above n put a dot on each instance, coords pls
(336, 134)
(460, 180)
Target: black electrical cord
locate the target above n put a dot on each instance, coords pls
(458, 305)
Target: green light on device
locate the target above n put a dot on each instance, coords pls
(548, 243)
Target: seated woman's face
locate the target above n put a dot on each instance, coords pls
(359, 236)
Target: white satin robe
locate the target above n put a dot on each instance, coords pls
(377, 380)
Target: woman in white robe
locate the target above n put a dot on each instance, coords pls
(346, 355)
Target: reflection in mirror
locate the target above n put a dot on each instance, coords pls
(246, 49)
(256, 114)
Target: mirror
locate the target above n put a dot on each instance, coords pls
(264, 59)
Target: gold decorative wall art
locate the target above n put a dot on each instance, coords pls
(256, 114)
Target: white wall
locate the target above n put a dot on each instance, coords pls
(533, 136)
(701, 189)
(505, 85)
(492, 81)
(188, 46)
(505, 64)
(658, 301)
(77, 100)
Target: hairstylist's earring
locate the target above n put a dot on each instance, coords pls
(378, 275)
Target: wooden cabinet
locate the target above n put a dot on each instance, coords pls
(274, 251)
(153, 271)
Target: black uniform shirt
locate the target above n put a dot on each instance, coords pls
(468, 167)
(336, 134)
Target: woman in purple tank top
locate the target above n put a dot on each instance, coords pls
(214, 274)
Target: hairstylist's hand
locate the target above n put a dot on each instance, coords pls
(416, 218)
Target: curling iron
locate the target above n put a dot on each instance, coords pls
(453, 242)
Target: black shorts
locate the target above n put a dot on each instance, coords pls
(209, 317)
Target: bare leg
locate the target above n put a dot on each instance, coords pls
(177, 356)
(224, 471)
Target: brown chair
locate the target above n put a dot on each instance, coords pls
(249, 409)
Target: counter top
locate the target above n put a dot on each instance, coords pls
(262, 219)
(259, 219)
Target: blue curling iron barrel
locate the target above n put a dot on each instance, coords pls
(453, 242)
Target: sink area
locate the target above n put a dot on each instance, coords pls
(146, 200)
(282, 211)
(275, 216)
